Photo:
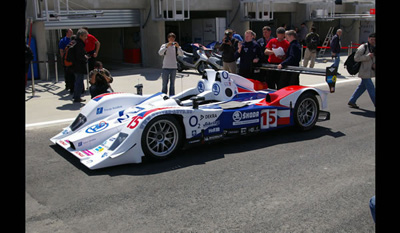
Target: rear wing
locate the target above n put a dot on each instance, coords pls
(330, 73)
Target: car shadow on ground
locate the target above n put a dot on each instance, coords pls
(200, 155)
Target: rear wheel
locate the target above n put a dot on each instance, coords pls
(306, 111)
(161, 137)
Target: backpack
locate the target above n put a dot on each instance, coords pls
(312, 41)
(351, 65)
(68, 56)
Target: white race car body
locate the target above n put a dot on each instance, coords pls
(113, 128)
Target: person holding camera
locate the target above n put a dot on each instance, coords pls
(170, 51)
(229, 47)
(100, 79)
(366, 55)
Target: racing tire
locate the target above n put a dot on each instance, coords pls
(161, 137)
(306, 111)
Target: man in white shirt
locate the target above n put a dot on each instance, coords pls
(169, 50)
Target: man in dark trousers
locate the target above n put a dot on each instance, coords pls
(335, 48)
(250, 53)
(79, 64)
(293, 57)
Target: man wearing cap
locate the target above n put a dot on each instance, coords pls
(229, 47)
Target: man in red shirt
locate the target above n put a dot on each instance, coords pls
(273, 76)
(92, 47)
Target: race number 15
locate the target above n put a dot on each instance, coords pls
(269, 118)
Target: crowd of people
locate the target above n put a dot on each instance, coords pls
(79, 53)
(282, 51)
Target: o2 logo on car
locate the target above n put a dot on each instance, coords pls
(269, 118)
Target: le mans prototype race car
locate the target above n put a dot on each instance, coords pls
(121, 128)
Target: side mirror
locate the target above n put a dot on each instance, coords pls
(196, 100)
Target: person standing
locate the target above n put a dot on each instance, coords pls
(249, 52)
(335, 48)
(68, 75)
(92, 47)
(312, 40)
(79, 63)
(366, 55)
(266, 31)
(170, 51)
(272, 76)
(229, 47)
(293, 57)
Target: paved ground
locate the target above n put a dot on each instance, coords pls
(282, 181)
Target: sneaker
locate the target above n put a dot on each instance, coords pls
(351, 105)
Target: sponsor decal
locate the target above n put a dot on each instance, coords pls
(97, 127)
(213, 137)
(208, 116)
(242, 118)
(79, 153)
(99, 149)
(87, 152)
(225, 75)
(102, 109)
(214, 130)
(201, 87)
(193, 120)
(216, 89)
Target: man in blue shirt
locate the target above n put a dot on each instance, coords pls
(65, 41)
(293, 57)
(68, 75)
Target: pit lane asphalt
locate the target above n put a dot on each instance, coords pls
(281, 181)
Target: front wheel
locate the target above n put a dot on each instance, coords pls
(161, 137)
(306, 111)
(202, 67)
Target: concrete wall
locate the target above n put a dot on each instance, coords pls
(152, 33)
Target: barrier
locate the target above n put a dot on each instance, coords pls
(47, 71)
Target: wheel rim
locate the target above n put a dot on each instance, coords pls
(307, 112)
(162, 138)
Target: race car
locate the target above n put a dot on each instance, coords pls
(121, 128)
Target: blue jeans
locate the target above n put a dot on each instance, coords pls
(78, 86)
(372, 207)
(366, 84)
(168, 75)
(337, 61)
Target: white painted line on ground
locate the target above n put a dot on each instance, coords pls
(48, 122)
(71, 119)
